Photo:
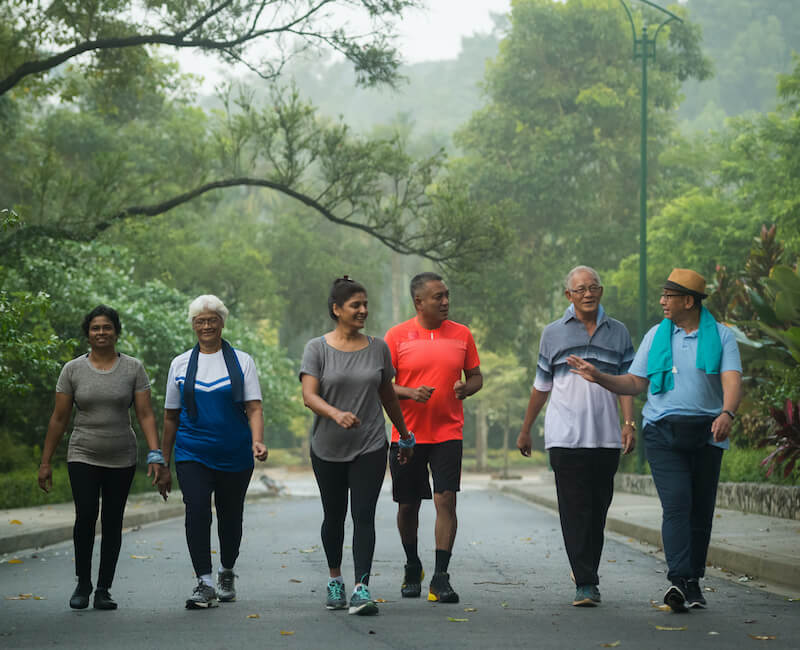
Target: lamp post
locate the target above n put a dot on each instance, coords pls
(644, 48)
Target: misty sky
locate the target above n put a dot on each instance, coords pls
(424, 35)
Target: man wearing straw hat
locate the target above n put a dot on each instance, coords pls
(690, 366)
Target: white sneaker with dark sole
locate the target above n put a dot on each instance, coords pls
(203, 597)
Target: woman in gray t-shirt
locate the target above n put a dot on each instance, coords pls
(101, 458)
(347, 382)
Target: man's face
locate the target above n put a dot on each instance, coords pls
(584, 293)
(433, 301)
(675, 305)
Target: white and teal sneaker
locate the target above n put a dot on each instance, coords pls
(336, 598)
(361, 602)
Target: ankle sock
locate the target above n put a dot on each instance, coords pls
(442, 560)
(412, 554)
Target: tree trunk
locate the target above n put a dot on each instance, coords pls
(481, 439)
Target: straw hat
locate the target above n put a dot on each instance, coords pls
(688, 282)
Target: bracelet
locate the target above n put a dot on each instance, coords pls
(631, 424)
(155, 457)
(730, 414)
(407, 443)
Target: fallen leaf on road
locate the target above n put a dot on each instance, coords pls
(663, 608)
(457, 620)
(15, 560)
(610, 645)
(309, 550)
(713, 634)
(470, 609)
(141, 557)
(749, 620)
(491, 582)
(254, 616)
(664, 628)
(287, 632)
(763, 637)
(380, 600)
(504, 605)
(20, 597)
(612, 561)
(294, 580)
(15, 522)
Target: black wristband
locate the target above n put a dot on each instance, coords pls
(730, 414)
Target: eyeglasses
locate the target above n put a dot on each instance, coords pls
(593, 289)
(206, 322)
(667, 296)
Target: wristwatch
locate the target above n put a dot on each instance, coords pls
(631, 424)
(730, 414)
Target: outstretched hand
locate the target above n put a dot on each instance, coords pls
(582, 368)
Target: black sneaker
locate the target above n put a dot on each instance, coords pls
(103, 599)
(80, 597)
(675, 597)
(226, 586)
(412, 581)
(694, 594)
(440, 589)
(203, 597)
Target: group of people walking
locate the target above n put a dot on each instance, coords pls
(419, 374)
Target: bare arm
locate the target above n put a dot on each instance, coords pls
(628, 429)
(55, 431)
(255, 418)
(171, 420)
(418, 394)
(473, 383)
(535, 405)
(392, 407)
(147, 421)
(731, 398)
(627, 384)
(312, 400)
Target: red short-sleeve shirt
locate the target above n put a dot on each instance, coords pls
(434, 358)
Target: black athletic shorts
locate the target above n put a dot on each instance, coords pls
(410, 482)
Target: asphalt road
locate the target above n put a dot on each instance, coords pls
(509, 567)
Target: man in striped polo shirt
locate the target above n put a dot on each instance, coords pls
(581, 427)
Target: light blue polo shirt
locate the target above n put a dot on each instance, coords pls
(695, 392)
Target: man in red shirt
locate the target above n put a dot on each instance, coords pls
(437, 367)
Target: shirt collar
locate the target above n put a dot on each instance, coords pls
(569, 315)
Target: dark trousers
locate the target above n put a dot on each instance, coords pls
(362, 477)
(585, 487)
(686, 481)
(89, 484)
(197, 483)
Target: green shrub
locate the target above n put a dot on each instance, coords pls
(740, 465)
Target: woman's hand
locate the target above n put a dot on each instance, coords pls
(163, 481)
(346, 419)
(45, 477)
(260, 451)
(404, 454)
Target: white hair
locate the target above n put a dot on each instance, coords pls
(207, 303)
(579, 269)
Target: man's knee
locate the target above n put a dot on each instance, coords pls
(445, 501)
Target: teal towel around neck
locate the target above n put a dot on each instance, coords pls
(659, 361)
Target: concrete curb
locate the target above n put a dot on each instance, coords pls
(770, 569)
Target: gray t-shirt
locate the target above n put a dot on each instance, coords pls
(348, 381)
(102, 433)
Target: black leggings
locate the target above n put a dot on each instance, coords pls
(197, 483)
(363, 477)
(89, 483)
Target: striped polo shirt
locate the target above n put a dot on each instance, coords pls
(581, 413)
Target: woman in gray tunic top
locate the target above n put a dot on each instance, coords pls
(347, 382)
(101, 457)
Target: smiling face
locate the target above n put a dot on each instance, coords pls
(102, 333)
(353, 313)
(207, 326)
(584, 293)
(432, 302)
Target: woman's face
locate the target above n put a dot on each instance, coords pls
(102, 334)
(207, 325)
(353, 313)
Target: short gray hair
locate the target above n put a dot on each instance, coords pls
(578, 269)
(207, 302)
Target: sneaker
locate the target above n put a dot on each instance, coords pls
(336, 598)
(361, 602)
(203, 597)
(412, 587)
(440, 589)
(675, 597)
(103, 599)
(694, 594)
(586, 596)
(80, 597)
(226, 589)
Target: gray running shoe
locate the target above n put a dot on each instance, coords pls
(361, 602)
(226, 589)
(202, 597)
(336, 598)
(584, 596)
(694, 594)
(675, 596)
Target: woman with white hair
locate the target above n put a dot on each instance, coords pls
(214, 420)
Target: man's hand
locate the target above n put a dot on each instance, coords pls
(404, 454)
(524, 443)
(422, 393)
(346, 419)
(164, 481)
(628, 439)
(721, 427)
(582, 368)
(460, 389)
(260, 451)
